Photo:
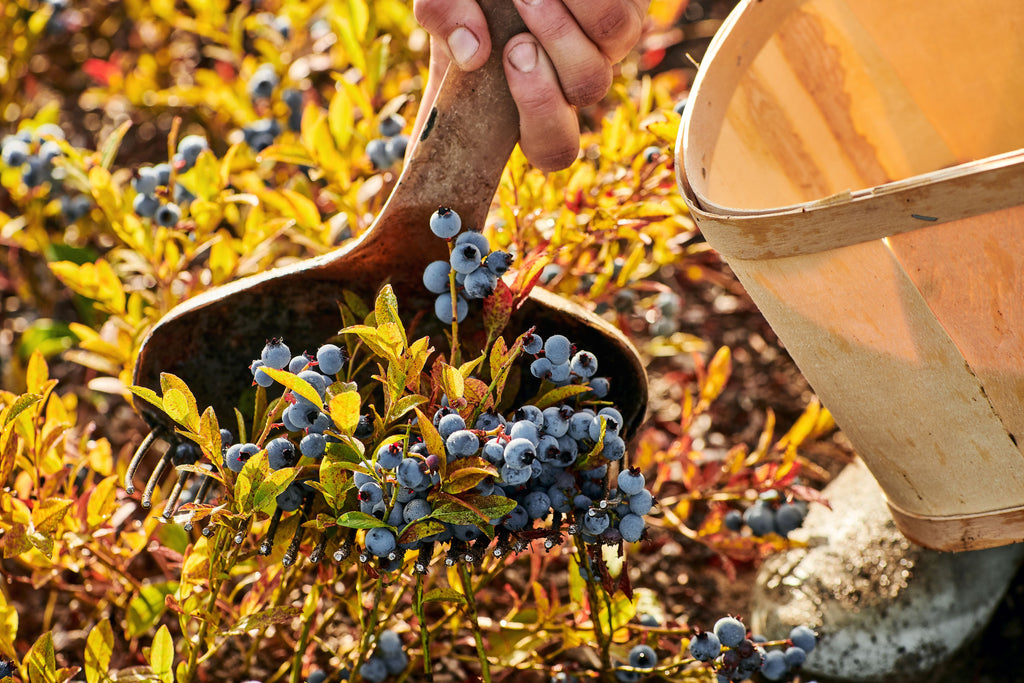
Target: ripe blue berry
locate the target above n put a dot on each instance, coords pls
(541, 368)
(788, 518)
(579, 424)
(147, 181)
(276, 354)
(730, 631)
(630, 482)
(391, 125)
(15, 152)
(557, 349)
(410, 473)
(515, 476)
(389, 455)
(330, 358)
(190, 147)
(774, 667)
(760, 518)
(795, 657)
(280, 453)
(465, 258)
(449, 424)
(556, 421)
(317, 676)
(614, 447)
(533, 344)
(380, 541)
(705, 646)
(313, 445)
(462, 443)
(733, 520)
(488, 420)
(631, 527)
(291, 498)
(262, 83)
(416, 509)
(519, 453)
(396, 663)
(435, 277)
(480, 283)
(371, 492)
(803, 637)
(559, 373)
(443, 308)
(494, 451)
(596, 521)
(377, 150)
(168, 215)
(445, 223)
(517, 519)
(537, 504)
(643, 657)
(498, 262)
(145, 206)
(641, 503)
(583, 364)
(373, 669)
(396, 147)
(599, 386)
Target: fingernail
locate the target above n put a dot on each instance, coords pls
(463, 45)
(523, 57)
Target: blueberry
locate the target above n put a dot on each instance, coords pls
(488, 421)
(630, 482)
(445, 223)
(559, 373)
(410, 473)
(262, 83)
(498, 262)
(377, 150)
(147, 181)
(416, 509)
(730, 631)
(465, 258)
(313, 445)
(583, 364)
(226, 437)
(280, 453)
(541, 368)
(145, 206)
(643, 657)
(317, 676)
(48, 151)
(651, 154)
(733, 520)
(374, 670)
(396, 147)
(519, 453)
(760, 518)
(449, 424)
(494, 451)
(443, 308)
(533, 344)
(168, 215)
(804, 638)
(76, 207)
(614, 447)
(189, 148)
(371, 492)
(290, 499)
(557, 349)
(516, 519)
(480, 283)
(596, 521)
(532, 413)
(641, 503)
(537, 504)
(548, 449)
(389, 455)
(298, 363)
(631, 527)
(515, 476)
(462, 443)
(182, 196)
(15, 152)
(36, 172)
(238, 454)
(163, 173)
(330, 359)
(435, 277)
(705, 646)
(599, 386)
(396, 663)
(276, 354)
(261, 134)
(579, 424)
(391, 125)
(380, 541)
(774, 667)
(788, 518)
(293, 98)
(795, 657)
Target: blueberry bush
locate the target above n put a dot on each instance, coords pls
(393, 504)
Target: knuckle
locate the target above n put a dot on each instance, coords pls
(590, 87)
(615, 32)
(429, 13)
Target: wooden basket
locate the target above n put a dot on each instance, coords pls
(858, 164)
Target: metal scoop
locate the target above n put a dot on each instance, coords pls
(457, 162)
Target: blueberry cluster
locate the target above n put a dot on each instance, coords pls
(764, 517)
(7, 667)
(476, 268)
(34, 152)
(150, 200)
(389, 148)
(388, 658)
(737, 656)
(261, 87)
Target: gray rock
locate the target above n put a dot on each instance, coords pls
(884, 608)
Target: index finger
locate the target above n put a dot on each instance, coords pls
(459, 26)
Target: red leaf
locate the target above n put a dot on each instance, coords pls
(811, 495)
(100, 70)
(497, 310)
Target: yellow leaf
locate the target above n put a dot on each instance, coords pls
(345, 411)
(296, 384)
(37, 373)
(102, 502)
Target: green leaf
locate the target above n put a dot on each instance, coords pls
(420, 529)
(469, 473)
(296, 384)
(102, 502)
(41, 660)
(560, 395)
(369, 336)
(20, 404)
(265, 497)
(148, 395)
(431, 437)
(405, 404)
(146, 609)
(386, 311)
(444, 595)
(360, 520)
(99, 647)
(161, 655)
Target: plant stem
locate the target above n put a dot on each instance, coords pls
(603, 640)
(467, 589)
(417, 604)
(308, 611)
(232, 552)
(369, 628)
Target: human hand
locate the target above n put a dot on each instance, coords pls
(564, 61)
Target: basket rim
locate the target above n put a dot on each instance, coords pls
(845, 218)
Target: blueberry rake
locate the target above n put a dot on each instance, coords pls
(457, 162)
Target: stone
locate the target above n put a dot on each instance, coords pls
(884, 608)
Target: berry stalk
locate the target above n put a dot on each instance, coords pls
(467, 589)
